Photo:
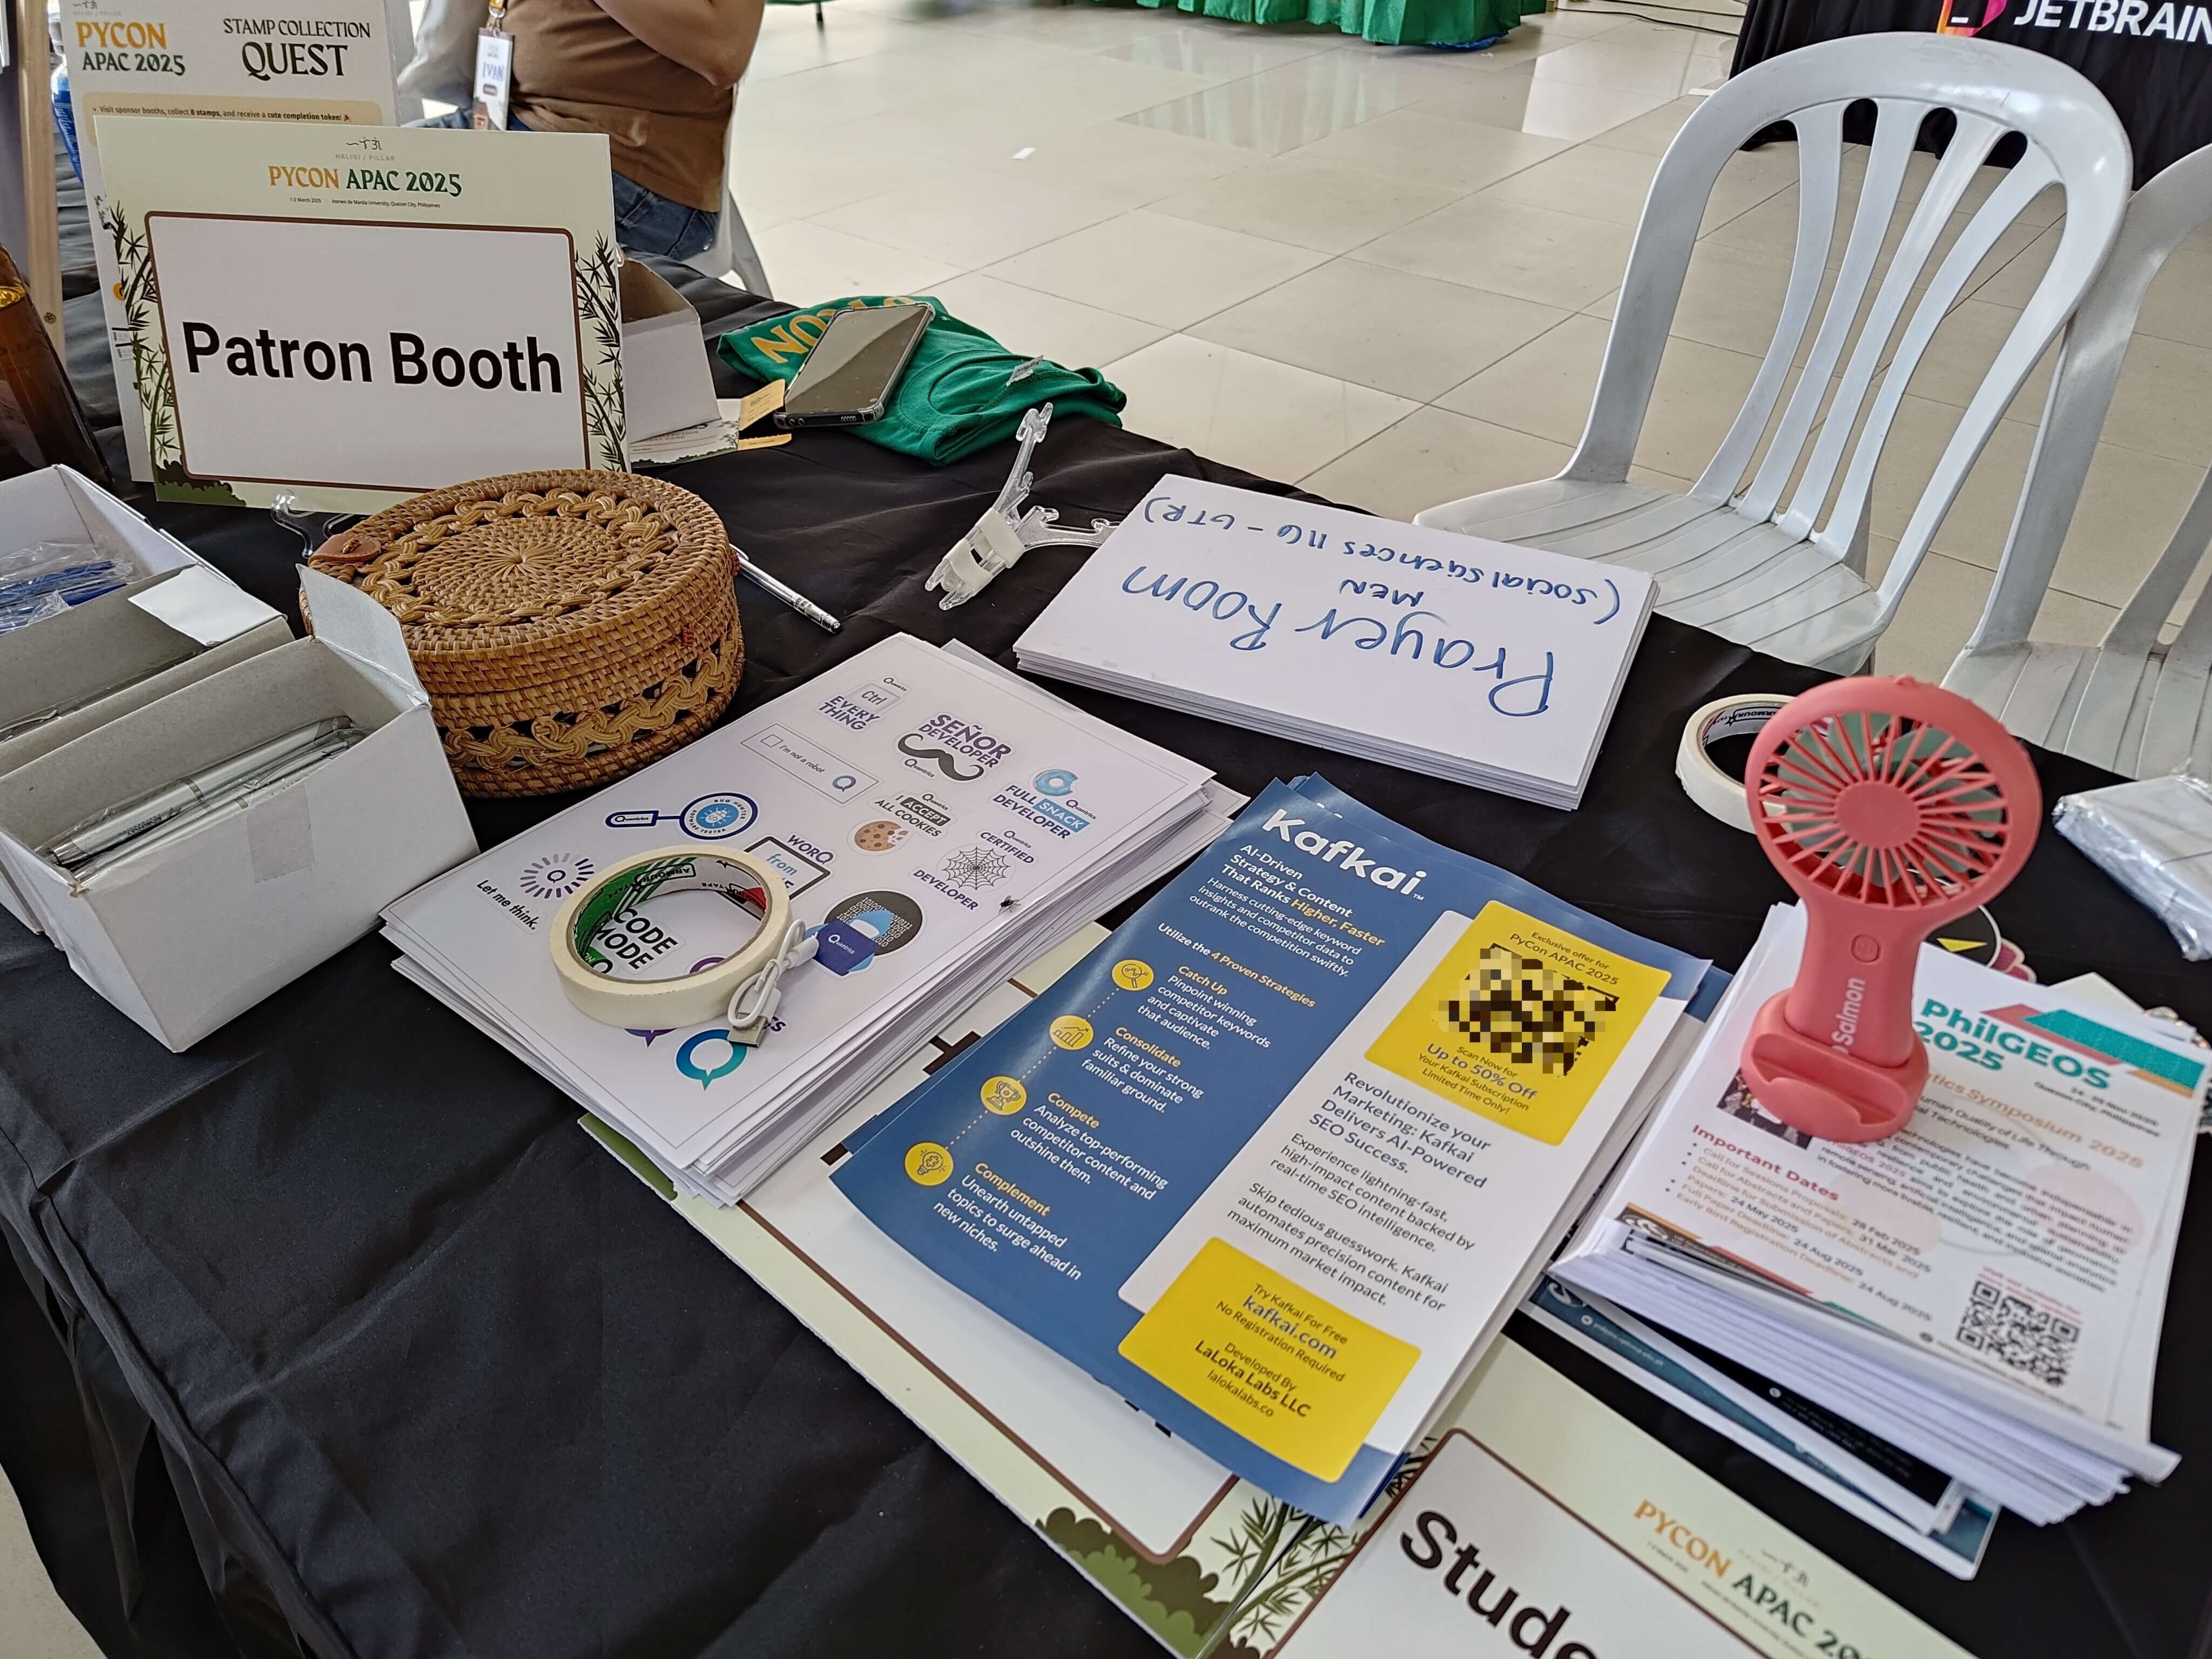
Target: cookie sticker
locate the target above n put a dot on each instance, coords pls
(880, 837)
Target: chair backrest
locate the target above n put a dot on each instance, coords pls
(2161, 214)
(443, 65)
(2073, 139)
(733, 252)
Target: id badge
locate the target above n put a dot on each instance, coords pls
(495, 75)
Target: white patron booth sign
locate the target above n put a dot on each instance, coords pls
(355, 317)
(326, 61)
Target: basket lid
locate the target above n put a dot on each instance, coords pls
(532, 568)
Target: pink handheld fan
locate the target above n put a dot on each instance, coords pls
(1892, 806)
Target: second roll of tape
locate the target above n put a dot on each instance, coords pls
(1702, 779)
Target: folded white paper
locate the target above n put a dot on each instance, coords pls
(1474, 661)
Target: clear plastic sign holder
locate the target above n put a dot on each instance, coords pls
(1005, 531)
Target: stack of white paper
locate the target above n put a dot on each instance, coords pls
(1984, 1290)
(1474, 661)
(962, 819)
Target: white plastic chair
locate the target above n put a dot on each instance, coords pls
(2130, 703)
(1759, 564)
(733, 251)
(443, 65)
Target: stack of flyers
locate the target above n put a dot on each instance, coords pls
(1984, 1290)
(1905, 1499)
(948, 819)
(1276, 1162)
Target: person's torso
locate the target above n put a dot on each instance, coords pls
(577, 69)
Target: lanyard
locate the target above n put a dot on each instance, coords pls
(495, 76)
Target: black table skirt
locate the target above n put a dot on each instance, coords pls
(365, 1347)
(2158, 86)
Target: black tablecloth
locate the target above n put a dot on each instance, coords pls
(2156, 84)
(357, 1327)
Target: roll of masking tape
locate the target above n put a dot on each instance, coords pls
(587, 972)
(1703, 780)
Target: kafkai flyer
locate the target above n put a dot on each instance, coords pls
(1272, 1161)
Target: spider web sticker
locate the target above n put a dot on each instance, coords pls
(977, 867)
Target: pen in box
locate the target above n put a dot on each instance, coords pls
(121, 824)
(242, 794)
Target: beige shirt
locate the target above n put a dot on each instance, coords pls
(576, 69)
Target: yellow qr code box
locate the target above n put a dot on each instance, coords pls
(1293, 1374)
(1519, 1023)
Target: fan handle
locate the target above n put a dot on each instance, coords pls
(1836, 1054)
(1854, 989)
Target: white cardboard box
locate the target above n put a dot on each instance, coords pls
(59, 503)
(667, 383)
(192, 619)
(186, 614)
(193, 934)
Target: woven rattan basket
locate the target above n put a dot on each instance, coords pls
(570, 627)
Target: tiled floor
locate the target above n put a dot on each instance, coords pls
(1387, 272)
(33, 1623)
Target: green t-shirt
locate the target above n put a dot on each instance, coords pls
(959, 394)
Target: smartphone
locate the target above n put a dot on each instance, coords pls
(849, 376)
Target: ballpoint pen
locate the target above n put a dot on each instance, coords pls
(241, 793)
(121, 824)
(791, 596)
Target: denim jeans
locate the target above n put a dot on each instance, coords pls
(649, 223)
(645, 222)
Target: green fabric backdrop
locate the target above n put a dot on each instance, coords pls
(1390, 22)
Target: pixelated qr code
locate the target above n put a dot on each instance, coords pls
(2016, 1333)
(1524, 1010)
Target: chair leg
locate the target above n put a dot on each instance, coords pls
(744, 258)
(818, 23)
